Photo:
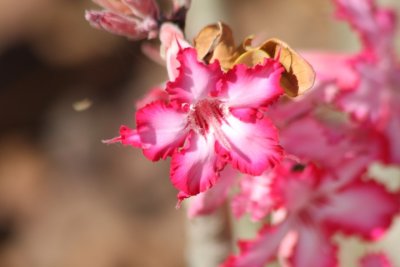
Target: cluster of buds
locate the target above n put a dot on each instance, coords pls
(136, 19)
(247, 117)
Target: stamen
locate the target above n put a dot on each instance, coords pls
(206, 116)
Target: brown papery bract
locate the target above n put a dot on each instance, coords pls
(216, 41)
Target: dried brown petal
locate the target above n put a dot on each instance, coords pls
(252, 57)
(299, 75)
(216, 42)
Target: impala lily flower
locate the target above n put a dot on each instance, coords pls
(317, 204)
(375, 99)
(212, 118)
(371, 93)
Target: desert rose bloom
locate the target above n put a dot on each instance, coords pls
(317, 204)
(367, 82)
(373, 98)
(212, 118)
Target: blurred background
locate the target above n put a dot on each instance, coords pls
(66, 199)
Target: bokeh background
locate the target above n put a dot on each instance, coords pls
(66, 199)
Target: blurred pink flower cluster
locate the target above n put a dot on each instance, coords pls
(300, 165)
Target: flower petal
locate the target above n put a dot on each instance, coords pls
(207, 202)
(246, 114)
(261, 250)
(172, 40)
(195, 168)
(251, 148)
(312, 139)
(195, 80)
(256, 87)
(162, 129)
(339, 69)
(392, 132)
(375, 260)
(127, 137)
(313, 249)
(375, 25)
(363, 208)
(254, 197)
(120, 24)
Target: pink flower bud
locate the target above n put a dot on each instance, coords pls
(130, 27)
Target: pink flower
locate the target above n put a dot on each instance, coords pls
(374, 99)
(212, 118)
(364, 85)
(135, 19)
(317, 204)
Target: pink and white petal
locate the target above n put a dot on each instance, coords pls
(375, 260)
(287, 110)
(169, 34)
(262, 250)
(195, 80)
(313, 249)
(305, 138)
(246, 114)
(162, 129)
(333, 67)
(251, 148)
(255, 197)
(127, 137)
(373, 205)
(195, 168)
(172, 40)
(171, 58)
(256, 87)
(313, 139)
(365, 104)
(207, 202)
(118, 24)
